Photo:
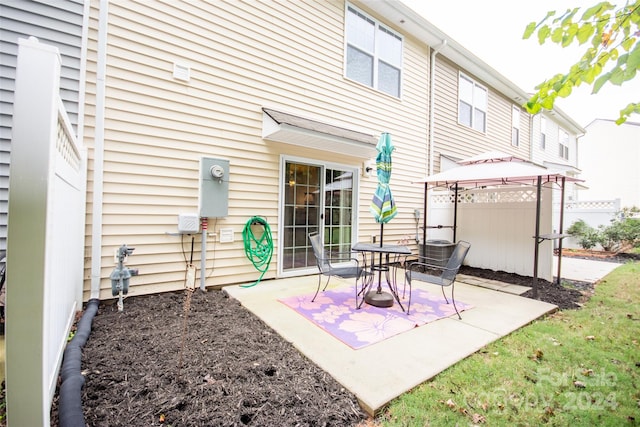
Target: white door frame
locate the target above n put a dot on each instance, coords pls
(284, 158)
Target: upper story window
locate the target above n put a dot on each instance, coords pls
(543, 133)
(515, 126)
(472, 104)
(373, 53)
(563, 139)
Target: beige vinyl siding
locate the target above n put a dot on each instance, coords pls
(243, 56)
(452, 138)
(551, 152)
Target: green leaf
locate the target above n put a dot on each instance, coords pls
(622, 60)
(567, 19)
(591, 12)
(533, 108)
(543, 33)
(570, 35)
(529, 30)
(584, 32)
(603, 58)
(556, 35)
(547, 103)
(617, 76)
(634, 57)
(600, 82)
(565, 91)
(628, 43)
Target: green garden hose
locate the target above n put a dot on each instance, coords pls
(258, 249)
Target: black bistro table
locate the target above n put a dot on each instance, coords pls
(378, 297)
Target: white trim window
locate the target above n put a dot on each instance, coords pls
(515, 126)
(543, 133)
(563, 144)
(472, 104)
(373, 53)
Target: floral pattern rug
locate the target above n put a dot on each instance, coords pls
(335, 311)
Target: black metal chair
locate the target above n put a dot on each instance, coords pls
(423, 270)
(328, 264)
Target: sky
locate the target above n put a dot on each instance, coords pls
(493, 29)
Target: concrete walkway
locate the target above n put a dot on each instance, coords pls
(584, 270)
(381, 372)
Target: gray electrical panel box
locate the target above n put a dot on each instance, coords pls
(214, 187)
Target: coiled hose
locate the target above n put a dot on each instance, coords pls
(258, 249)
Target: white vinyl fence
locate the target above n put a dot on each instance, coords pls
(499, 224)
(594, 212)
(45, 236)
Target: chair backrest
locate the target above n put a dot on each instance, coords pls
(319, 252)
(455, 261)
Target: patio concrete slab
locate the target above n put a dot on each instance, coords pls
(381, 372)
(493, 284)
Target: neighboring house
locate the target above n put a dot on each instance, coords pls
(60, 24)
(609, 156)
(555, 139)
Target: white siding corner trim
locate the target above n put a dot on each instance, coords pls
(290, 129)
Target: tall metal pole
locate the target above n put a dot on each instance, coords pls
(424, 221)
(560, 230)
(537, 239)
(455, 213)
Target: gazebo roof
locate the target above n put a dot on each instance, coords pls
(495, 168)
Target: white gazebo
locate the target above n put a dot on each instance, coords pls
(496, 169)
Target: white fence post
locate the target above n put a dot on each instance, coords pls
(45, 236)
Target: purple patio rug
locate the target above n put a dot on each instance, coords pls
(334, 311)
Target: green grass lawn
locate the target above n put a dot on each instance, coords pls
(575, 367)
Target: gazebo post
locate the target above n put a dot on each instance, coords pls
(455, 213)
(537, 238)
(560, 230)
(424, 221)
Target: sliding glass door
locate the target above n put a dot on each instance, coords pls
(315, 198)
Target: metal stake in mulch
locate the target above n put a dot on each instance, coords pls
(190, 286)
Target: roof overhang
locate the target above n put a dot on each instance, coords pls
(291, 129)
(562, 167)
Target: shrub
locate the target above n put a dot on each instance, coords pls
(587, 236)
(624, 232)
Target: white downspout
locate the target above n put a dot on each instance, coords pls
(82, 96)
(431, 135)
(531, 138)
(432, 103)
(98, 151)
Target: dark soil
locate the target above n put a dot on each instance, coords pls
(161, 362)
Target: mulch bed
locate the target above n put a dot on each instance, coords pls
(213, 363)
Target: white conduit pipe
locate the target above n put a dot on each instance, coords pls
(98, 151)
(432, 103)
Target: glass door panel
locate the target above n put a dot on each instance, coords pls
(301, 213)
(338, 192)
(315, 198)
